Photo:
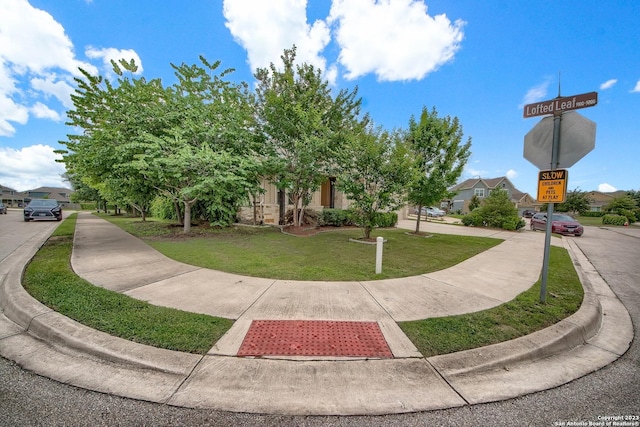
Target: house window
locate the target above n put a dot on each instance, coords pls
(478, 192)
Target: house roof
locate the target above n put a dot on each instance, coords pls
(57, 193)
(473, 182)
(492, 183)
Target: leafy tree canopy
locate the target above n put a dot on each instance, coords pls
(375, 169)
(304, 124)
(440, 156)
(577, 202)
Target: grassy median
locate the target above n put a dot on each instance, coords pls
(521, 316)
(49, 278)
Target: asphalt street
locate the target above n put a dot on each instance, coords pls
(614, 391)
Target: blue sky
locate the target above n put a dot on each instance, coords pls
(479, 61)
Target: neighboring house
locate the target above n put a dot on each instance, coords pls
(11, 198)
(62, 195)
(482, 187)
(598, 200)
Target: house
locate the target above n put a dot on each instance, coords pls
(598, 200)
(10, 197)
(60, 194)
(271, 206)
(482, 187)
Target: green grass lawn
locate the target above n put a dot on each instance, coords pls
(521, 316)
(259, 251)
(266, 252)
(49, 279)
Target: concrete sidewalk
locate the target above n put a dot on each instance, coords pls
(52, 345)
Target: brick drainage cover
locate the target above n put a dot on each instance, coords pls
(314, 338)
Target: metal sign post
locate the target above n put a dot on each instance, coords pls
(557, 119)
(580, 138)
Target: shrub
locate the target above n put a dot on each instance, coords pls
(89, 206)
(474, 219)
(162, 208)
(496, 211)
(513, 224)
(614, 220)
(631, 215)
(334, 217)
(386, 219)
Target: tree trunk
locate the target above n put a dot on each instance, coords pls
(178, 214)
(255, 208)
(187, 217)
(418, 220)
(296, 218)
(367, 232)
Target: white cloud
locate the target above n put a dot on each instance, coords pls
(536, 93)
(33, 41)
(476, 173)
(31, 167)
(60, 89)
(511, 174)
(606, 188)
(637, 87)
(11, 112)
(396, 40)
(41, 111)
(608, 84)
(266, 28)
(37, 61)
(106, 55)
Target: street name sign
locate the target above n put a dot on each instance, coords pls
(552, 186)
(560, 104)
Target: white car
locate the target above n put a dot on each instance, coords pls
(438, 212)
(430, 212)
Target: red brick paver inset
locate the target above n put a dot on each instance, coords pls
(314, 338)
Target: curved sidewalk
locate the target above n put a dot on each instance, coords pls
(52, 345)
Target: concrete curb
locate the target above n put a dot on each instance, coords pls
(569, 333)
(41, 322)
(67, 351)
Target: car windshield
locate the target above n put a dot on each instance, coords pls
(43, 203)
(562, 218)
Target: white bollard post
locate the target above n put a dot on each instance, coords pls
(379, 242)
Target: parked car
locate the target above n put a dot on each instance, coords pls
(430, 212)
(561, 224)
(438, 211)
(528, 213)
(3, 208)
(43, 209)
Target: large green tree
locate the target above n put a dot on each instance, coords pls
(207, 150)
(577, 202)
(304, 125)
(374, 171)
(193, 141)
(109, 116)
(440, 156)
(626, 206)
